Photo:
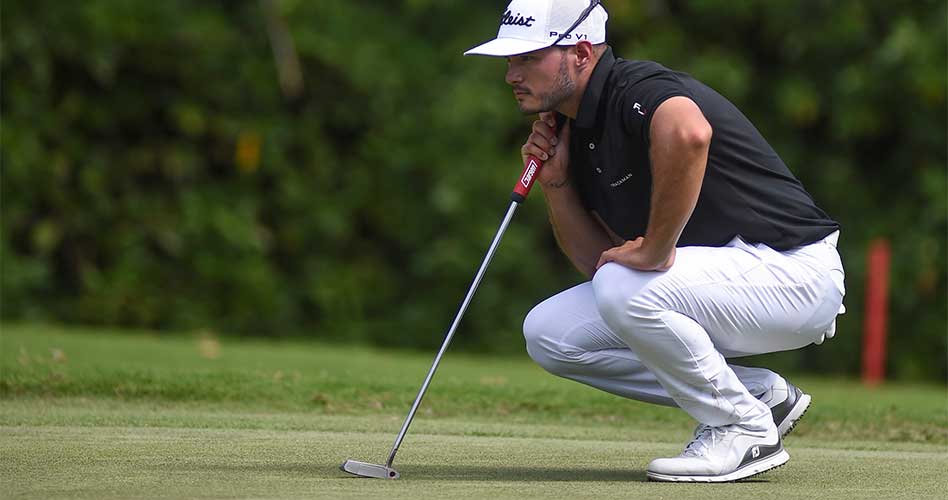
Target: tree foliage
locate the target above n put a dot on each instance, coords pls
(156, 174)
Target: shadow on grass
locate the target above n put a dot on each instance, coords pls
(539, 474)
(499, 473)
(442, 472)
(429, 472)
(496, 473)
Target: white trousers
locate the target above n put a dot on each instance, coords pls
(662, 337)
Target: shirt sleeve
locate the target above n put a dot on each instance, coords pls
(642, 98)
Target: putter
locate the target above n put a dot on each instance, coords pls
(520, 192)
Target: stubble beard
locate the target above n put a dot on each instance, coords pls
(563, 88)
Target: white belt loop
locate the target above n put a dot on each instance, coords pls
(833, 238)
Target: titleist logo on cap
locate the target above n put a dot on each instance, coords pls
(517, 20)
(530, 25)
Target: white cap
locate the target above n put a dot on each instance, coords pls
(529, 25)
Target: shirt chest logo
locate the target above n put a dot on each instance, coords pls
(621, 181)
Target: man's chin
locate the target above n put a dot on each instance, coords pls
(536, 105)
(530, 109)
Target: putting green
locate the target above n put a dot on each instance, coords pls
(142, 451)
(86, 413)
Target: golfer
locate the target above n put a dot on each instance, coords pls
(699, 243)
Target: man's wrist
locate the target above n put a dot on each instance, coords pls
(560, 184)
(657, 258)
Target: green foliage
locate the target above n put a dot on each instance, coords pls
(155, 175)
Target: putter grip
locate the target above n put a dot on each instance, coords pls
(531, 169)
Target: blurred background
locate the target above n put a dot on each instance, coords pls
(335, 170)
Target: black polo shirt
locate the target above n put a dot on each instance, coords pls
(747, 189)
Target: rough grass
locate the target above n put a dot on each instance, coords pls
(98, 414)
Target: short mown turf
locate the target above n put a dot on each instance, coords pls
(96, 414)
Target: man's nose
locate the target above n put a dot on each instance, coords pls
(513, 76)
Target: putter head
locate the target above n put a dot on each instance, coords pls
(365, 469)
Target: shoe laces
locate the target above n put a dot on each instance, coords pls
(705, 438)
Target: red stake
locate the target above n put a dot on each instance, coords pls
(877, 312)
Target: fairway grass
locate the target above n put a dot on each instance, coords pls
(90, 414)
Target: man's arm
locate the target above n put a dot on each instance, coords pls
(680, 137)
(579, 235)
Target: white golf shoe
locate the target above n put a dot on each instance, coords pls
(721, 454)
(787, 405)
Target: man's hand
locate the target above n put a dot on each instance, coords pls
(551, 148)
(635, 254)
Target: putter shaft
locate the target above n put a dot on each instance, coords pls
(454, 326)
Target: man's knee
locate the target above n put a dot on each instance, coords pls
(542, 330)
(611, 299)
(623, 298)
(536, 331)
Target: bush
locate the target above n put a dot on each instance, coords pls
(157, 174)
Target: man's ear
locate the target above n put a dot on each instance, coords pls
(584, 53)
